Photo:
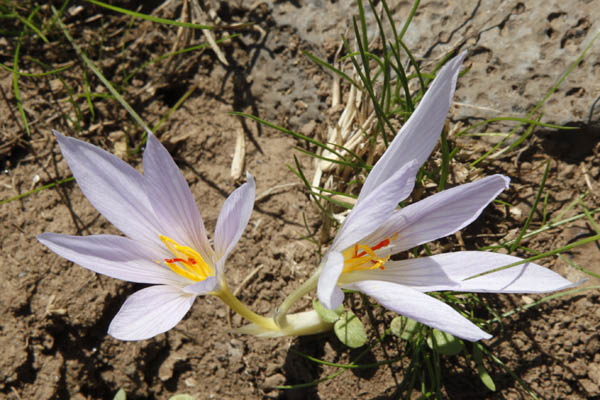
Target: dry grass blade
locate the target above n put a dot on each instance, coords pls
(239, 156)
(199, 16)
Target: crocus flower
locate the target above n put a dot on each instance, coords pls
(166, 244)
(359, 257)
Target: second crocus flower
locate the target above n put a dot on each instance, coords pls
(359, 257)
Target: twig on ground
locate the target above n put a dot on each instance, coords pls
(272, 190)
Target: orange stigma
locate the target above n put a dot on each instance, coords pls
(187, 261)
(365, 259)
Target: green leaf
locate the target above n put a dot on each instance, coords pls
(182, 397)
(404, 327)
(121, 395)
(483, 373)
(325, 313)
(350, 330)
(444, 343)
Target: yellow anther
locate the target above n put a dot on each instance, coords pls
(186, 262)
(365, 259)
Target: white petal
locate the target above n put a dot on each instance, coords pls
(448, 272)
(234, 217)
(114, 256)
(420, 133)
(422, 308)
(328, 292)
(371, 212)
(441, 214)
(150, 311)
(172, 199)
(112, 186)
(202, 287)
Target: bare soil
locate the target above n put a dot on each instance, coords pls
(54, 315)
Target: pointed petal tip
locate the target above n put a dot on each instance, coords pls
(421, 307)
(150, 312)
(506, 180)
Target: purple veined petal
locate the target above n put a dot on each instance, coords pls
(417, 138)
(149, 312)
(450, 271)
(421, 307)
(371, 212)
(439, 215)
(234, 217)
(114, 256)
(113, 187)
(328, 292)
(202, 287)
(172, 200)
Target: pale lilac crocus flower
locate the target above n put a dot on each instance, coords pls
(166, 244)
(359, 257)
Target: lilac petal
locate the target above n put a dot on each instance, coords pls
(202, 287)
(368, 214)
(439, 215)
(421, 307)
(449, 271)
(150, 311)
(114, 256)
(417, 138)
(113, 187)
(328, 292)
(234, 217)
(172, 199)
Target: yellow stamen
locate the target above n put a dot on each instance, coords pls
(186, 262)
(365, 259)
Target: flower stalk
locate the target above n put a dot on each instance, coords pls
(308, 285)
(236, 305)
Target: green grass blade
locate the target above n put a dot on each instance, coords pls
(409, 19)
(516, 119)
(87, 94)
(174, 53)
(37, 74)
(16, 90)
(152, 18)
(90, 64)
(445, 167)
(554, 87)
(551, 225)
(540, 301)
(287, 132)
(23, 195)
(27, 22)
(366, 79)
(533, 209)
(415, 65)
(562, 249)
(330, 67)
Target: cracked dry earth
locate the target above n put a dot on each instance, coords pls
(54, 315)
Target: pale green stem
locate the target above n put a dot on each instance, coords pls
(228, 298)
(296, 295)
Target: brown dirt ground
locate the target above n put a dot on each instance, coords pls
(54, 315)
